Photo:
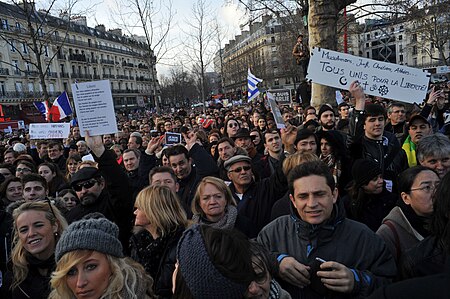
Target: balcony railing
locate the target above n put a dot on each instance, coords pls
(127, 64)
(52, 74)
(4, 72)
(78, 57)
(106, 61)
(122, 77)
(96, 76)
(107, 76)
(81, 76)
(64, 75)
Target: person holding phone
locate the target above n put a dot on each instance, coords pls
(326, 254)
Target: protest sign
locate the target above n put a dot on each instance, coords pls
(275, 111)
(281, 96)
(49, 130)
(95, 107)
(377, 78)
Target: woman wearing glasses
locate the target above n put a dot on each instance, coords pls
(159, 224)
(231, 127)
(407, 223)
(37, 228)
(214, 205)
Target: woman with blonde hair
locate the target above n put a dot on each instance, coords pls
(37, 228)
(91, 264)
(283, 205)
(160, 222)
(214, 205)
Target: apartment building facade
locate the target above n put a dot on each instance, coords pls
(71, 52)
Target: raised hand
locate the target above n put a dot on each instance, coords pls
(95, 143)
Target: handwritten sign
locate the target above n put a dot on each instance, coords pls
(95, 107)
(275, 111)
(377, 78)
(49, 131)
(281, 96)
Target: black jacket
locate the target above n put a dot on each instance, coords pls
(258, 199)
(115, 202)
(162, 284)
(386, 152)
(204, 166)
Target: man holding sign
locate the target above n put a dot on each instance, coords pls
(369, 140)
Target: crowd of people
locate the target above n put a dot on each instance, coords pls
(349, 201)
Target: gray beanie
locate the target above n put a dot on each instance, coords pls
(90, 234)
(201, 276)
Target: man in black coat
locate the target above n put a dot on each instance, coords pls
(104, 190)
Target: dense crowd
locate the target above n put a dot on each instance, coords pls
(349, 201)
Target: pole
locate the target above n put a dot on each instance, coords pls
(345, 31)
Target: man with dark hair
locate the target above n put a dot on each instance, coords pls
(181, 160)
(306, 141)
(327, 118)
(274, 149)
(369, 140)
(108, 140)
(105, 190)
(56, 155)
(135, 142)
(320, 252)
(34, 187)
(9, 156)
(163, 176)
(418, 127)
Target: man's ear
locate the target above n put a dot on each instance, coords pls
(335, 195)
(292, 200)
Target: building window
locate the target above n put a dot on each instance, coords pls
(272, 39)
(367, 54)
(414, 50)
(367, 45)
(46, 51)
(415, 61)
(400, 48)
(18, 26)
(401, 57)
(288, 80)
(400, 37)
(2, 88)
(13, 47)
(30, 87)
(276, 82)
(25, 48)
(368, 36)
(414, 37)
(5, 24)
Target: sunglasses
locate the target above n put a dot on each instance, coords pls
(232, 125)
(239, 169)
(23, 169)
(86, 185)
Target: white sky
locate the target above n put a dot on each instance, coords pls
(227, 12)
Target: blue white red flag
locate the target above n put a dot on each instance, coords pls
(43, 109)
(61, 107)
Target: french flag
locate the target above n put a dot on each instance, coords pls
(61, 107)
(43, 109)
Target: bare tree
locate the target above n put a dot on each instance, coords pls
(30, 37)
(153, 19)
(178, 87)
(199, 45)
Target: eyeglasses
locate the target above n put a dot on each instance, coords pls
(88, 184)
(239, 169)
(426, 189)
(23, 170)
(232, 125)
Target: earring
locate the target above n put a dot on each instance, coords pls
(56, 235)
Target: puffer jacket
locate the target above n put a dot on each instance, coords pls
(339, 239)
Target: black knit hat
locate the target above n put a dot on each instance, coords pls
(364, 170)
(323, 108)
(202, 277)
(99, 235)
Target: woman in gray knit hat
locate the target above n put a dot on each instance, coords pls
(91, 264)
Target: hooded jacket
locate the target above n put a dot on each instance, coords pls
(338, 239)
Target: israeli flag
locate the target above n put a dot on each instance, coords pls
(252, 83)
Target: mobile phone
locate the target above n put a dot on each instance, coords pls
(320, 260)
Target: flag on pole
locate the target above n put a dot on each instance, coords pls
(252, 82)
(43, 109)
(61, 107)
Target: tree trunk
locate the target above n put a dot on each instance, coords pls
(322, 28)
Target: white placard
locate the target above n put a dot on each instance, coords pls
(95, 107)
(377, 78)
(275, 111)
(49, 131)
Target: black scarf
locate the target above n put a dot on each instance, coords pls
(48, 264)
(419, 223)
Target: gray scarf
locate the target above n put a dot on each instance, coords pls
(226, 222)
